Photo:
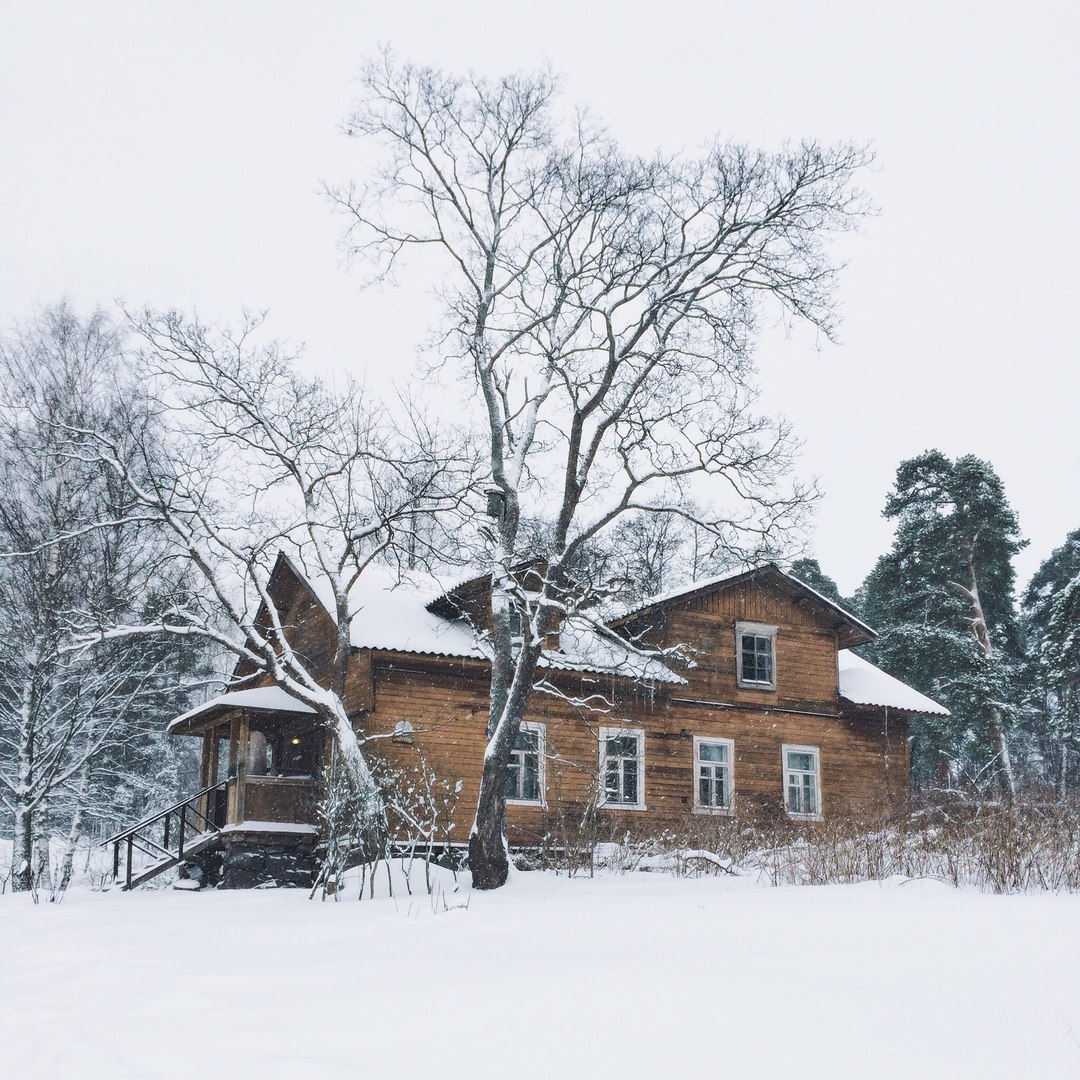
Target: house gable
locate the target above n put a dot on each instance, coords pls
(806, 631)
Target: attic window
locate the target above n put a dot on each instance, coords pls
(755, 647)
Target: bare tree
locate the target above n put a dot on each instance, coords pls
(69, 541)
(605, 305)
(262, 460)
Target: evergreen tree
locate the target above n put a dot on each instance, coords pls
(943, 602)
(809, 572)
(1051, 619)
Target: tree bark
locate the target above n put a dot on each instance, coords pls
(23, 852)
(981, 633)
(489, 856)
(489, 859)
(74, 835)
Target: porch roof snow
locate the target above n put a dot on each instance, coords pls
(259, 698)
(864, 684)
(294, 828)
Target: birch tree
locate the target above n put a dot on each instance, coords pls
(261, 460)
(603, 305)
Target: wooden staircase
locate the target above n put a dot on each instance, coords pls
(166, 838)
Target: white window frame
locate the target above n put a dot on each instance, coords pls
(756, 630)
(816, 753)
(614, 733)
(541, 778)
(699, 806)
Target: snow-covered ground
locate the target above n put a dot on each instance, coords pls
(639, 975)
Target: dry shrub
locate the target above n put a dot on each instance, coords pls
(1021, 846)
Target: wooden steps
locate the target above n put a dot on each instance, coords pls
(202, 842)
(169, 837)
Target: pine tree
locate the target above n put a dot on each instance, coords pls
(943, 602)
(1051, 619)
(809, 572)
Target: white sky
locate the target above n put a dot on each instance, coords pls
(171, 155)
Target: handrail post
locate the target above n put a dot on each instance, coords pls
(116, 861)
(168, 818)
(180, 854)
(130, 842)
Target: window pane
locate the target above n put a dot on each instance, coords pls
(756, 658)
(530, 778)
(712, 751)
(527, 740)
(611, 781)
(630, 776)
(802, 762)
(622, 746)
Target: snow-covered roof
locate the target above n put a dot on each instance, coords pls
(260, 698)
(864, 684)
(583, 648)
(390, 611)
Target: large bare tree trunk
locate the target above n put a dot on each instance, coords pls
(489, 860)
(489, 856)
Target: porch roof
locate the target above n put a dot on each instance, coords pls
(259, 699)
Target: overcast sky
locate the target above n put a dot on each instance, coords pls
(172, 155)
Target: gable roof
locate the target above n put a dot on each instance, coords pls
(862, 683)
(395, 613)
(390, 611)
(857, 632)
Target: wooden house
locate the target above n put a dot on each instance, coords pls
(767, 710)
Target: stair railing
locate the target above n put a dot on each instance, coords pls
(176, 821)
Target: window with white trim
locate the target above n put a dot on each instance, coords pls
(802, 781)
(622, 768)
(525, 773)
(755, 650)
(712, 772)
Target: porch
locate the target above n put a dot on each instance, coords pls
(253, 818)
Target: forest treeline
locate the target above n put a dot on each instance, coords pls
(84, 706)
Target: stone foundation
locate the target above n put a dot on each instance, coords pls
(247, 866)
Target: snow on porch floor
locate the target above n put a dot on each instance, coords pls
(635, 976)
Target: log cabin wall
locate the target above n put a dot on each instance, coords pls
(863, 752)
(448, 710)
